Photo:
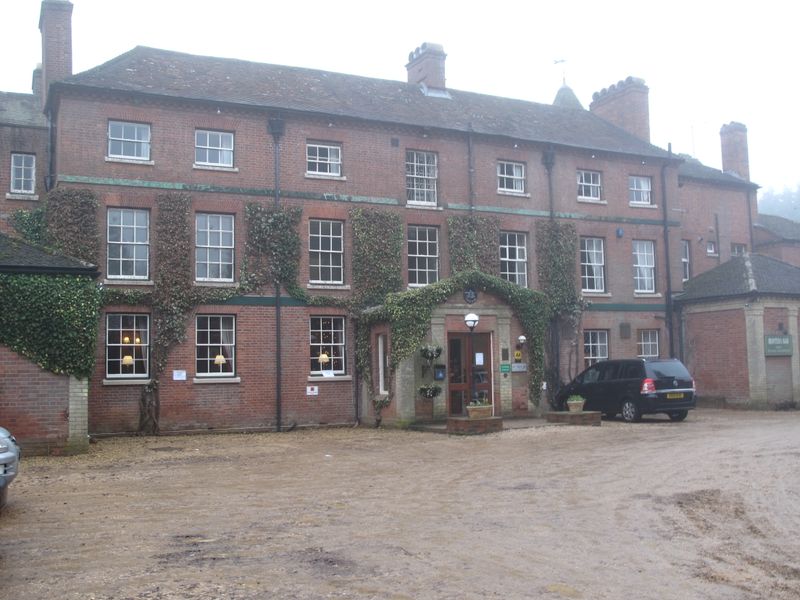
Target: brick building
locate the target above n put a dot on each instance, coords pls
(234, 134)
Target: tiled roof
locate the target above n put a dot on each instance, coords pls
(692, 168)
(750, 275)
(17, 256)
(21, 109)
(781, 227)
(173, 74)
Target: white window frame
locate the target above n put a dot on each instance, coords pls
(23, 173)
(422, 177)
(423, 265)
(590, 186)
(647, 343)
(215, 335)
(127, 334)
(595, 346)
(640, 190)
(711, 248)
(686, 260)
(137, 232)
(514, 257)
(324, 160)
(209, 144)
(132, 139)
(644, 267)
(326, 251)
(214, 245)
(382, 363)
(510, 177)
(738, 249)
(327, 334)
(593, 264)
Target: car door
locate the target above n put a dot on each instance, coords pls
(587, 385)
(605, 397)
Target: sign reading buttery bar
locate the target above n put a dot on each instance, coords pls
(778, 345)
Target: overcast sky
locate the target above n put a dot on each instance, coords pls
(706, 63)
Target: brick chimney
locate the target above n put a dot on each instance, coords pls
(626, 104)
(735, 158)
(36, 81)
(426, 65)
(55, 23)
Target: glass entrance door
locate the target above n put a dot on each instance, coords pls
(465, 365)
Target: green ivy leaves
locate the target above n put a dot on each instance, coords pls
(51, 319)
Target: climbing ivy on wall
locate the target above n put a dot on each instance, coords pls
(50, 319)
(377, 255)
(557, 251)
(272, 247)
(71, 220)
(473, 241)
(408, 314)
(30, 224)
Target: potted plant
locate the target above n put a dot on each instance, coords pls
(575, 403)
(429, 392)
(429, 354)
(479, 408)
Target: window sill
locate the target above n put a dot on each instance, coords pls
(123, 381)
(587, 294)
(510, 193)
(647, 295)
(327, 286)
(642, 205)
(129, 161)
(21, 196)
(215, 168)
(216, 284)
(204, 380)
(423, 205)
(326, 177)
(712, 254)
(127, 281)
(591, 201)
(319, 378)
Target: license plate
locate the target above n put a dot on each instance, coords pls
(674, 396)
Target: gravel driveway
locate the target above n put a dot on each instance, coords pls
(707, 508)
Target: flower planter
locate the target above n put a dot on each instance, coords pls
(479, 412)
(575, 406)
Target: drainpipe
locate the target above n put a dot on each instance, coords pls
(471, 166)
(50, 178)
(750, 219)
(549, 160)
(277, 126)
(669, 308)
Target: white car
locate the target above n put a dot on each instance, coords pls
(9, 463)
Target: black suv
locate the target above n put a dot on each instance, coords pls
(634, 387)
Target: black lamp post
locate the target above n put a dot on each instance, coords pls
(471, 321)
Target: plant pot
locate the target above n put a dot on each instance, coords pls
(574, 406)
(479, 412)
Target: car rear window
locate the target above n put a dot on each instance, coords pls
(671, 368)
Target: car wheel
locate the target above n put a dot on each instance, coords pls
(630, 412)
(678, 415)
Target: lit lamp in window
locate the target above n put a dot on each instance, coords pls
(220, 360)
(127, 360)
(126, 340)
(323, 358)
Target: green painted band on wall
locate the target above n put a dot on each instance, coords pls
(627, 307)
(223, 189)
(263, 301)
(527, 212)
(270, 193)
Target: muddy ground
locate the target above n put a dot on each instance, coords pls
(708, 508)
